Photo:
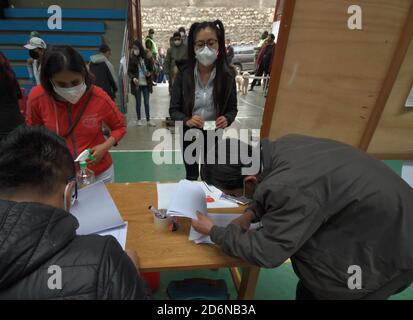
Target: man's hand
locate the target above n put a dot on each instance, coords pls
(134, 257)
(245, 220)
(195, 121)
(203, 224)
(221, 122)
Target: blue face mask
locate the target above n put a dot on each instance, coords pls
(206, 56)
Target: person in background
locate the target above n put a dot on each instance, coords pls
(10, 93)
(177, 55)
(184, 36)
(257, 49)
(161, 62)
(230, 51)
(4, 4)
(104, 72)
(68, 104)
(140, 73)
(326, 205)
(150, 44)
(37, 48)
(264, 61)
(37, 189)
(205, 88)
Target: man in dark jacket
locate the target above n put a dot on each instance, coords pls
(344, 218)
(41, 257)
(103, 70)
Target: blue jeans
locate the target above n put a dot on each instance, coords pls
(142, 90)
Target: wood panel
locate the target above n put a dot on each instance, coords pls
(332, 76)
(394, 134)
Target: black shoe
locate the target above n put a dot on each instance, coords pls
(251, 89)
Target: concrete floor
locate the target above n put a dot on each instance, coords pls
(250, 113)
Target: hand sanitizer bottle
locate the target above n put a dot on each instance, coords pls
(84, 176)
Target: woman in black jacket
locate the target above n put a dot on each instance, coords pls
(140, 73)
(10, 93)
(205, 88)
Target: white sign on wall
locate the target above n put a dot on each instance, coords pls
(409, 102)
(276, 29)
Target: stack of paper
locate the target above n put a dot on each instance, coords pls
(118, 233)
(96, 211)
(167, 190)
(187, 200)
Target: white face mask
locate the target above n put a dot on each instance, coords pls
(136, 52)
(206, 56)
(178, 42)
(72, 94)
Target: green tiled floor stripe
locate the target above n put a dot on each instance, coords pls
(274, 284)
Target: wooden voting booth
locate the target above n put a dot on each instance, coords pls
(331, 81)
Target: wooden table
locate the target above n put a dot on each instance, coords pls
(166, 251)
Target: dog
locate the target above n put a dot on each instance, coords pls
(245, 83)
(239, 80)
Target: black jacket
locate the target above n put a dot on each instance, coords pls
(328, 206)
(180, 107)
(133, 72)
(103, 78)
(34, 237)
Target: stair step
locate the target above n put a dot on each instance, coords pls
(98, 14)
(23, 54)
(67, 26)
(72, 40)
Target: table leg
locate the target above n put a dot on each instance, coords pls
(248, 283)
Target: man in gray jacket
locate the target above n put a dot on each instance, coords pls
(176, 54)
(344, 218)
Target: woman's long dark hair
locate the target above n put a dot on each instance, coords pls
(222, 67)
(142, 51)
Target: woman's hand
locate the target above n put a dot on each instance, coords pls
(136, 81)
(221, 122)
(99, 151)
(195, 121)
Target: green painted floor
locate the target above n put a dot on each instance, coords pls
(273, 284)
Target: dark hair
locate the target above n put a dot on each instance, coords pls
(226, 176)
(104, 48)
(222, 67)
(142, 51)
(272, 36)
(176, 35)
(264, 35)
(8, 81)
(181, 29)
(151, 31)
(60, 58)
(34, 158)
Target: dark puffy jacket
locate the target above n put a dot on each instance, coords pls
(34, 237)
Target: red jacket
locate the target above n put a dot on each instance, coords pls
(46, 111)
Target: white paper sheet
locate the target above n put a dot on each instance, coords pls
(95, 210)
(407, 172)
(166, 190)
(187, 200)
(118, 233)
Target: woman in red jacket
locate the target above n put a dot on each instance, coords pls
(68, 104)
